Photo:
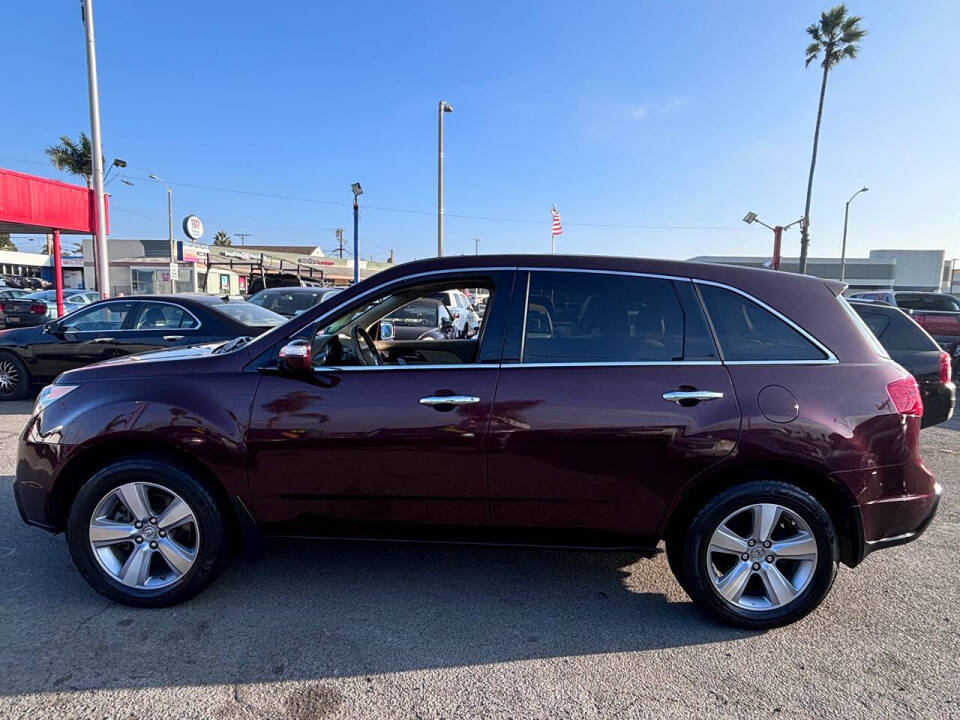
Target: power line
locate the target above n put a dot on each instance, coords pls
(431, 213)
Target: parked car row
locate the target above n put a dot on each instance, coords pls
(117, 327)
(35, 308)
(751, 420)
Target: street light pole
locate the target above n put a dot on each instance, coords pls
(442, 107)
(357, 192)
(476, 246)
(96, 150)
(843, 247)
(173, 248)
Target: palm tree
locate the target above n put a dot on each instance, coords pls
(6, 243)
(221, 239)
(74, 158)
(835, 38)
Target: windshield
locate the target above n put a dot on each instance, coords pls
(288, 302)
(249, 314)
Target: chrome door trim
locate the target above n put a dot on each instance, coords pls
(434, 400)
(679, 396)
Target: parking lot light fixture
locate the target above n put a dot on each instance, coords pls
(357, 192)
(173, 249)
(843, 247)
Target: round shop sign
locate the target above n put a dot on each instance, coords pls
(192, 227)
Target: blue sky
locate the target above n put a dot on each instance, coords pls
(627, 115)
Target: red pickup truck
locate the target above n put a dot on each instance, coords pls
(937, 313)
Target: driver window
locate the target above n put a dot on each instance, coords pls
(108, 316)
(409, 326)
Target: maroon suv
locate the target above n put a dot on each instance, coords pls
(748, 418)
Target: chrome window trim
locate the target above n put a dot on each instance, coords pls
(830, 358)
(625, 363)
(416, 366)
(116, 301)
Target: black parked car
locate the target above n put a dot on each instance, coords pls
(919, 354)
(122, 326)
(291, 301)
(35, 308)
(423, 319)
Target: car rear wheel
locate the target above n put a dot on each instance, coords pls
(145, 532)
(15, 379)
(759, 555)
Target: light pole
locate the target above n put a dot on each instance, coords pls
(476, 246)
(442, 107)
(173, 249)
(96, 151)
(751, 217)
(357, 192)
(843, 247)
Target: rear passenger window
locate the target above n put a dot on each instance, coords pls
(603, 318)
(160, 316)
(748, 332)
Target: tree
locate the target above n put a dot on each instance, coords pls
(221, 239)
(834, 38)
(6, 243)
(73, 157)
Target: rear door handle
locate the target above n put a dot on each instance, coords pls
(172, 338)
(432, 400)
(102, 340)
(679, 396)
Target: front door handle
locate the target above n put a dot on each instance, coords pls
(102, 340)
(172, 338)
(681, 396)
(432, 400)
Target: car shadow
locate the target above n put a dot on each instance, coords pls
(314, 610)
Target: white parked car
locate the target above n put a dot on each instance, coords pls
(466, 320)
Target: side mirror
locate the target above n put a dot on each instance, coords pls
(296, 355)
(51, 327)
(386, 331)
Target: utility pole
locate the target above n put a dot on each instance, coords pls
(340, 242)
(96, 150)
(243, 237)
(476, 246)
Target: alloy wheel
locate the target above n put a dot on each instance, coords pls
(761, 557)
(144, 535)
(9, 377)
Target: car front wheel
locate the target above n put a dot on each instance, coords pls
(759, 555)
(144, 532)
(14, 378)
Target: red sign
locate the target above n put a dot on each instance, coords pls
(34, 204)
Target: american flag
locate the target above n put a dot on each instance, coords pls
(557, 227)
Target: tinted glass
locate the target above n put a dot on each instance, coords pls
(900, 333)
(747, 331)
(877, 322)
(415, 314)
(249, 314)
(286, 302)
(109, 316)
(925, 301)
(160, 316)
(596, 317)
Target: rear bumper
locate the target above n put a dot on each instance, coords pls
(938, 402)
(892, 541)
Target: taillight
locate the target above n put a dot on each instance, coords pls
(905, 394)
(38, 309)
(3, 308)
(946, 367)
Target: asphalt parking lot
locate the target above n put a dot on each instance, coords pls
(318, 630)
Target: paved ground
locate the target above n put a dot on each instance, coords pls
(332, 630)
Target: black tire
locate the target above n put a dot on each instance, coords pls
(213, 548)
(13, 367)
(688, 554)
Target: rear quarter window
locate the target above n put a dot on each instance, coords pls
(748, 332)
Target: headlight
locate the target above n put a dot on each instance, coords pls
(50, 394)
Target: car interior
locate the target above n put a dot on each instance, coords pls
(378, 333)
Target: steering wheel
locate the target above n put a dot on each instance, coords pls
(369, 355)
